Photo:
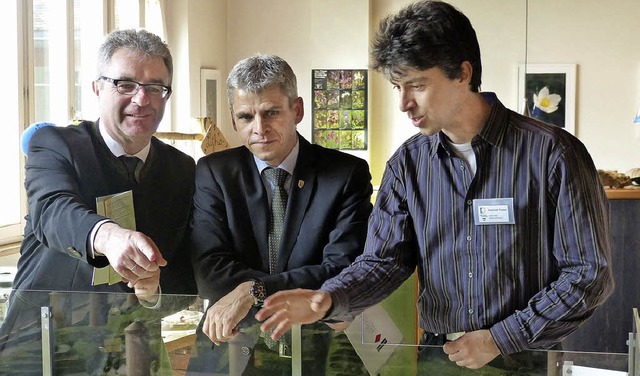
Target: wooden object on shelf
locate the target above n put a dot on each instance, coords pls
(613, 179)
(179, 136)
(629, 192)
(213, 138)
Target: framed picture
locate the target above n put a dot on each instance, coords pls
(339, 108)
(550, 93)
(210, 94)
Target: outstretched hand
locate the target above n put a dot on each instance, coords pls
(286, 308)
(132, 254)
(147, 288)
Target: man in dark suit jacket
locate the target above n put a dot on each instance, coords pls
(324, 226)
(69, 167)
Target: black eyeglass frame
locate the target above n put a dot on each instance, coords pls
(166, 90)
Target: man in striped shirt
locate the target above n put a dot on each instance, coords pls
(504, 217)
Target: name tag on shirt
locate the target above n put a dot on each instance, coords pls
(493, 211)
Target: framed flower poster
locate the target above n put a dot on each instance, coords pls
(340, 108)
(549, 91)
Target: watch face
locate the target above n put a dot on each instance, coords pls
(258, 292)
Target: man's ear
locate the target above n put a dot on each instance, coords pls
(466, 72)
(299, 109)
(95, 87)
(233, 120)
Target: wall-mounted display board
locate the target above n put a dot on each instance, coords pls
(340, 108)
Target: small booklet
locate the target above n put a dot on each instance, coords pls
(119, 208)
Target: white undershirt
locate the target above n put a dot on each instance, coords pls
(465, 152)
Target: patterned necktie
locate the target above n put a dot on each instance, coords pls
(130, 163)
(277, 176)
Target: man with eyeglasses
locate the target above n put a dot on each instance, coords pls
(68, 168)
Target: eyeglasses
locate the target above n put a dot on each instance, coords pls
(128, 87)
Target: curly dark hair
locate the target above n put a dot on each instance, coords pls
(424, 35)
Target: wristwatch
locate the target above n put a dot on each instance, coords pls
(258, 291)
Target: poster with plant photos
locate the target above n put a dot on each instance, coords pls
(340, 108)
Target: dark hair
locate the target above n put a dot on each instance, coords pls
(256, 73)
(140, 41)
(424, 35)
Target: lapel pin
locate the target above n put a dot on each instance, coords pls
(300, 183)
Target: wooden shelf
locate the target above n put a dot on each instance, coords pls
(626, 193)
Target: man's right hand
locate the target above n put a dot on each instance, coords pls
(132, 254)
(286, 308)
(222, 318)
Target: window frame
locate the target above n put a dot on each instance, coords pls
(104, 21)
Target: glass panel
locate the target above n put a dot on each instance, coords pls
(96, 333)
(378, 337)
(374, 344)
(113, 334)
(9, 142)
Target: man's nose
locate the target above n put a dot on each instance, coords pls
(141, 98)
(260, 126)
(406, 100)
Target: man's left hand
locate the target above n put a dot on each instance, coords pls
(147, 288)
(473, 350)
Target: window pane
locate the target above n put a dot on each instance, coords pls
(153, 18)
(51, 83)
(127, 14)
(89, 32)
(77, 63)
(41, 17)
(10, 140)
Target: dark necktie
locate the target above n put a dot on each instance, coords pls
(130, 163)
(277, 176)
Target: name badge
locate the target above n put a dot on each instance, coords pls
(493, 211)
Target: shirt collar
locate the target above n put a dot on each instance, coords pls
(497, 122)
(118, 151)
(492, 132)
(289, 163)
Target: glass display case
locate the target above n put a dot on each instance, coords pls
(113, 334)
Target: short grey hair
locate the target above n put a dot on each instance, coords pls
(140, 41)
(256, 73)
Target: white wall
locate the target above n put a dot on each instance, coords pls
(600, 37)
(197, 36)
(309, 34)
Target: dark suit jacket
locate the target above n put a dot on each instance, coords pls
(325, 223)
(67, 168)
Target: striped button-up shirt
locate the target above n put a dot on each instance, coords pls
(531, 282)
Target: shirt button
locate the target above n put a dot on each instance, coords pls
(468, 238)
(471, 311)
(470, 275)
